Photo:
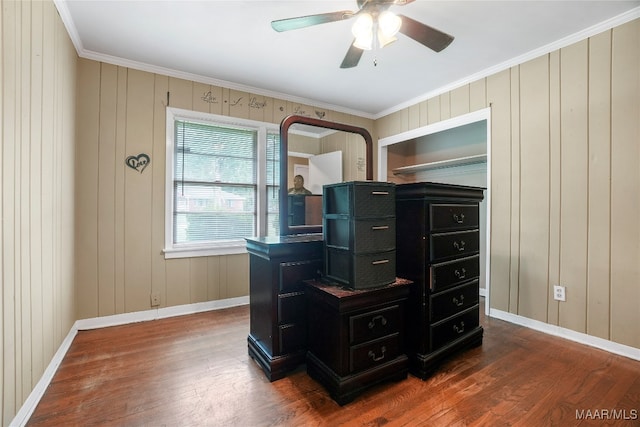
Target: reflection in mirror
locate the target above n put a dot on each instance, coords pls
(318, 152)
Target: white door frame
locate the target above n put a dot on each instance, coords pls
(465, 119)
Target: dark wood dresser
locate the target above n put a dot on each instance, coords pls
(356, 337)
(438, 247)
(277, 338)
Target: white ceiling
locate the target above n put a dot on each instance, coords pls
(231, 44)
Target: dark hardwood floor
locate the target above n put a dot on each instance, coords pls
(194, 371)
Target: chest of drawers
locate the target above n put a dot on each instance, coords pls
(360, 233)
(277, 338)
(438, 247)
(356, 337)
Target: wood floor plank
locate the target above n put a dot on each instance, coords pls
(195, 371)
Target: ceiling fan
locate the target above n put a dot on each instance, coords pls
(374, 22)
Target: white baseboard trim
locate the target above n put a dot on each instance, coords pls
(579, 337)
(25, 412)
(36, 394)
(483, 292)
(159, 313)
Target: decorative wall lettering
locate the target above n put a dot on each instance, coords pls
(138, 162)
(208, 97)
(320, 114)
(254, 103)
(300, 111)
(236, 102)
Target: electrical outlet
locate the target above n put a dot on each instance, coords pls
(559, 293)
(155, 300)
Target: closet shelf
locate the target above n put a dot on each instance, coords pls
(460, 161)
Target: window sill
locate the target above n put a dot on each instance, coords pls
(192, 251)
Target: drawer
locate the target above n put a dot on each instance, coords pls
(293, 273)
(361, 271)
(360, 235)
(360, 199)
(291, 306)
(453, 301)
(448, 330)
(454, 244)
(373, 353)
(292, 337)
(453, 216)
(374, 324)
(451, 273)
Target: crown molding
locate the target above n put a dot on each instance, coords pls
(623, 18)
(141, 66)
(67, 20)
(543, 50)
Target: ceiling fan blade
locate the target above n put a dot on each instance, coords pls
(309, 20)
(352, 57)
(424, 34)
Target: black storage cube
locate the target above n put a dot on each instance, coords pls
(359, 225)
(361, 199)
(361, 271)
(360, 235)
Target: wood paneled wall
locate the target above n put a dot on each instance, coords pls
(565, 181)
(564, 173)
(37, 82)
(354, 154)
(120, 212)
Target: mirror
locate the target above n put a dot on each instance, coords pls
(320, 152)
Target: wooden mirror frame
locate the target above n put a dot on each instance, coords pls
(286, 123)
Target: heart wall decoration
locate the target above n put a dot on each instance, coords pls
(138, 162)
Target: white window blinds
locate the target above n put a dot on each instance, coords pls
(273, 183)
(214, 183)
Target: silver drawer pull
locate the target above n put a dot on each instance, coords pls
(460, 274)
(459, 246)
(381, 318)
(380, 193)
(458, 302)
(459, 329)
(375, 358)
(458, 218)
(382, 261)
(380, 227)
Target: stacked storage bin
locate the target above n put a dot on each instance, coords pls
(359, 226)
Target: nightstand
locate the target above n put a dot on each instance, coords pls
(355, 337)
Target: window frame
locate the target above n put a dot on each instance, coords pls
(227, 247)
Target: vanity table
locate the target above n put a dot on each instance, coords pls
(277, 327)
(279, 265)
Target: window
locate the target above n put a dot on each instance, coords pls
(273, 183)
(222, 183)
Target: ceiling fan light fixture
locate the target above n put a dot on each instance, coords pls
(384, 28)
(364, 42)
(389, 24)
(384, 40)
(373, 26)
(363, 26)
(363, 31)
